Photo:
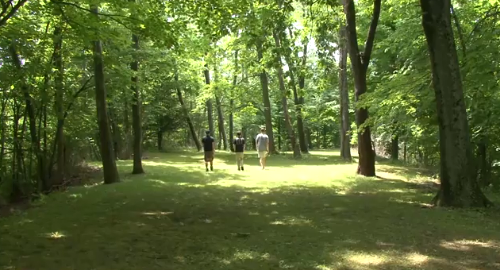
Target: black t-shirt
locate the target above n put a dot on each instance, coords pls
(240, 144)
(207, 143)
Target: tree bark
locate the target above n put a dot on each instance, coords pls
(43, 183)
(345, 123)
(284, 99)
(210, 109)
(59, 87)
(359, 64)
(459, 187)
(186, 115)
(265, 97)
(220, 121)
(231, 103)
(106, 142)
(136, 109)
(298, 97)
(395, 148)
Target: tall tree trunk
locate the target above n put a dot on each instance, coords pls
(59, 86)
(484, 169)
(136, 109)
(284, 100)
(265, 97)
(210, 109)
(231, 103)
(359, 64)
(186, 115)
(298, 97)
(299, 102)
(43, 183)
(345, 123)
(159, 138)
(106, 142)
(220, 122)
(395, 147)
(459, 187)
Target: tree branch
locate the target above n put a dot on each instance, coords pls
(89, 10)
(459, 30)
(11, 13)
(489, 14)
(365, 59)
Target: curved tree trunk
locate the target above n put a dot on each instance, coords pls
(106, 142)
(459, 187)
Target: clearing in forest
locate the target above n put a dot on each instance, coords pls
(308, 214)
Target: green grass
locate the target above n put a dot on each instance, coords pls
(308, 214)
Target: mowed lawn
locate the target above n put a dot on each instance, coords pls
(308, 214)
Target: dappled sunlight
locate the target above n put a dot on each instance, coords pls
(365, 259)
(157, 213)
(55, 235)
(294, 221)
(306, 214)
(467, 245)
(244, 255)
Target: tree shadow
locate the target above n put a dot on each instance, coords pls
(178, 217)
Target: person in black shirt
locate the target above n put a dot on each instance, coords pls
(209, 148)
(239, 147)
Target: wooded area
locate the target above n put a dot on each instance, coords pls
(83, 81)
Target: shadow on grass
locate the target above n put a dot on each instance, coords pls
(176, 217)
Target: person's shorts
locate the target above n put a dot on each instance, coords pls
(262, 154)
(239, 155)
(209, 156)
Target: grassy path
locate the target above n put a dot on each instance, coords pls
(309, 214)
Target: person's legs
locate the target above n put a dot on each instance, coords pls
(241, 161)
(211, 161)
(206, 161)
(262, 159)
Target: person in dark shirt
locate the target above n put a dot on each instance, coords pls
(239, 147)
(209, 148)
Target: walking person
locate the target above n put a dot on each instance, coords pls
(239, 148)
(262, 141)
(209, 149)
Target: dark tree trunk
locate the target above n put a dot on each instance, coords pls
(459, 187)
(231, 104)
(359, 64)
(59, 87)
(405, 152)
(284, 100)
(43, 183)
(345, 123)
(192, 130)
(298, 97)
(159, 137)
(484, 169)
(210, 109)
(395, 148)
(220, 122)
(106, 142)
(265, 97)
(136, 110)
(309, 137)
(299, 102)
